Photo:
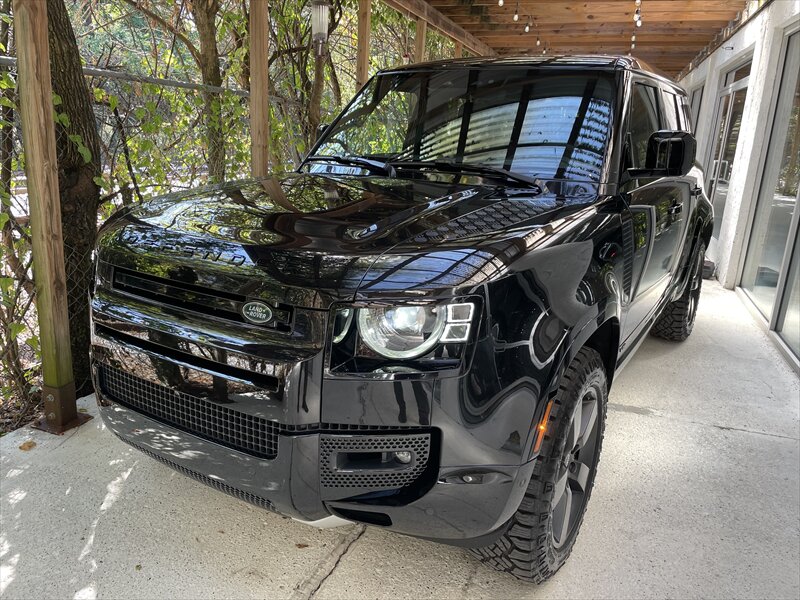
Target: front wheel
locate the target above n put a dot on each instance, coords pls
(676, 321)
(542, 532)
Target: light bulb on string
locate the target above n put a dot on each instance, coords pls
(516, 16)
(639, 23)
(500, 2)
(638, 2)
(538, 41)
(633, 37)
(633, 46)
(527, 27)
(516, 12)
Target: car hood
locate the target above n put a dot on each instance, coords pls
(309, 240)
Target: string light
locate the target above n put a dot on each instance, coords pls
(516, 12)
(500, 2)
(527, 27)
(633, 37)
(538, 41)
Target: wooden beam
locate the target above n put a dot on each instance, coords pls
(362, 57)
(39, 142)
(259, 87)
(420, 37)
(459, 50)
(422, 10)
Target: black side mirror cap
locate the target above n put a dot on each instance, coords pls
(669, 154)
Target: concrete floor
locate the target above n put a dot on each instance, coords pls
(697, 495)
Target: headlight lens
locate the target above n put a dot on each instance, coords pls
(341, 326)
(401, 331)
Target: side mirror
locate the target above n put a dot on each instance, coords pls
(669, 154)
(321, 129)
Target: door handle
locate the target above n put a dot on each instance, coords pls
(675, 209)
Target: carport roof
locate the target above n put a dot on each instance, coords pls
(672, 31)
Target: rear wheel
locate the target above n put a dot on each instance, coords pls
(542, 532)
(677, 319)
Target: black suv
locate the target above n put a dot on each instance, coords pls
(418, 329)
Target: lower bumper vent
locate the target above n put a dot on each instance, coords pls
(214, 483)
(367, 462)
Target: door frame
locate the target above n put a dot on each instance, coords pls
(727, 90)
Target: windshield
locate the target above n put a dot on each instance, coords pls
(538, 123)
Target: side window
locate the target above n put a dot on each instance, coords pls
(643, 122)
(669, 112)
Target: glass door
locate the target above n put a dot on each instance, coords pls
(770, 276)
(729, 121)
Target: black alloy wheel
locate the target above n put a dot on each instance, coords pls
(578, 463)
(676, 321)
(540, 536)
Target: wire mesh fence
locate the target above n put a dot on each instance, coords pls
(156, 136)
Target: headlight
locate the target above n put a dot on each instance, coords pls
(401, 331)
(412, 331)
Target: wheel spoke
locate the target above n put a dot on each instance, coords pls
(590, 418)
(560, 486)
(575, 428)
(580, 476)
(567, 512)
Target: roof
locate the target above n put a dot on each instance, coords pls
(589, 61)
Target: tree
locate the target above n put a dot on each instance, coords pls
(78, 148)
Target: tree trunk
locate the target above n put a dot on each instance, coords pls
(315, 99)
(79, 194)
(205, 13)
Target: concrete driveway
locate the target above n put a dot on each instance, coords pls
(697, 495)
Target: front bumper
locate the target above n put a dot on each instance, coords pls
(204, 412)
(450, 511)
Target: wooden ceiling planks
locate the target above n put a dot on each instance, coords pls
(672, 32)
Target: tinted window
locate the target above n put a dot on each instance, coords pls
(643, 122)
(551, 124)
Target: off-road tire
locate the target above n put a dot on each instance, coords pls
(527, 549)
(676, 321)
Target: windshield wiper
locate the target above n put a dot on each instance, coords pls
(451, 165)
(356, 161)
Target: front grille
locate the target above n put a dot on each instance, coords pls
(190, 297)
(209, 481)
(195, 415)
(331, 477)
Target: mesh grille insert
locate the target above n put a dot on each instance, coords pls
(330, 477)
(201, 417)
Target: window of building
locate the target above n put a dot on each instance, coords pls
(695, 102)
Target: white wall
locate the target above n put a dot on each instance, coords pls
(761, 38)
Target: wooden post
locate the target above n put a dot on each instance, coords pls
(259, 87)
(459, 50)
(39, 142)
(364, 23)
(419, 40)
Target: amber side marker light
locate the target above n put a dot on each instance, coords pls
(541, 428)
